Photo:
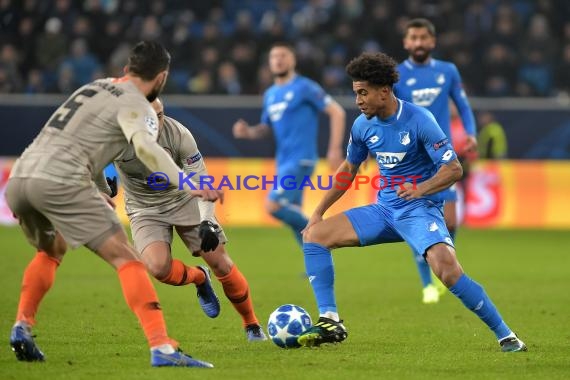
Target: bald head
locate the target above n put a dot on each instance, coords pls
(159, 109)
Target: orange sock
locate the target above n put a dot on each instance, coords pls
(38, 279)
(237, 290)
(180, 274)
(143, 301)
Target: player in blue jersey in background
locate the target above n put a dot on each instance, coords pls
(406, 141)
(429, 83)
(291, 109)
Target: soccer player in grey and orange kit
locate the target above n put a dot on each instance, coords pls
(154, 212)
(52, 193)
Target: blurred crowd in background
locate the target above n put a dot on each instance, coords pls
(502, 48)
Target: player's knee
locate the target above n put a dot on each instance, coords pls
(444, 264)
(316, 234)
(157, 268)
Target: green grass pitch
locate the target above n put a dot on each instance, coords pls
(87, 332)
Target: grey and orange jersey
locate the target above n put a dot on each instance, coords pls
(142, 199)
(84, 135)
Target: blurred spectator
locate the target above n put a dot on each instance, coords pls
(492, 141)
(563, 72)
(493, 42)
(83, 65)
(12, 81)
(536, 73)
(228, 81)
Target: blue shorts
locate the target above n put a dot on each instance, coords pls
(449, 194)
(420, 224)
(289, 176)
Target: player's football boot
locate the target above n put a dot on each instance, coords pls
(176, 359)
(430, 294)
(207, 296)
(255, 333)
(23, 345)
(512, 344)
(324, 331)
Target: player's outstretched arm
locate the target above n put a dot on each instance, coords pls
(242, 130)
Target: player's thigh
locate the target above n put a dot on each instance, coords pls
(333, 232)
(449, 197)
(450, 214)
(371, 224)
(39, 231)
(146, 230)
(291, 180)
(421, 224)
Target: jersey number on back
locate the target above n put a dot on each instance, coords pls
(61, 118)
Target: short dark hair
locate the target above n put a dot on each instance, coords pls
(148, 59)
(378, 69)
(421, 23)
(283, 44)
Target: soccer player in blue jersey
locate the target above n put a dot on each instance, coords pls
(291, 108)
(429, 83)
(407, 143)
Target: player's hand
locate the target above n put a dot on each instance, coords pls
(210, 195)
(109, 201)
(112, 182)
(314, 219)
(409, 191)
(470, 144)
(208, 232)
(241, 129)
(335, 157)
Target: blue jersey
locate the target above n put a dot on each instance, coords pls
(292, 111)
(406, 144)
(431, 85)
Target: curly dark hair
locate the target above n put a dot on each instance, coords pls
(377, 69)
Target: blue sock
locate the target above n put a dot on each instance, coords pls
(320, 271)
(424, 269)
(294, 218)
(475, 299)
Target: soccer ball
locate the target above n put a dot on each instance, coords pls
(286, 323)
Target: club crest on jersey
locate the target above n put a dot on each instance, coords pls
(440, 79)
(288, 96)
(405, 138)
(389, 160)
(411, 81)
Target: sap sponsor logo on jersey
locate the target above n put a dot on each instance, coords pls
(276, 110)
(440, 143)
(424, 97)
(389, 160)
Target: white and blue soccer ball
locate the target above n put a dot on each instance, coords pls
(286, 324)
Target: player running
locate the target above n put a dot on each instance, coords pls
(153, 213)
(291, 108)
(430, 83)
(52, 193)
(406, 141)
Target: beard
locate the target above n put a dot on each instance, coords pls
(151, 97)
(281, 74)
(420, 55)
